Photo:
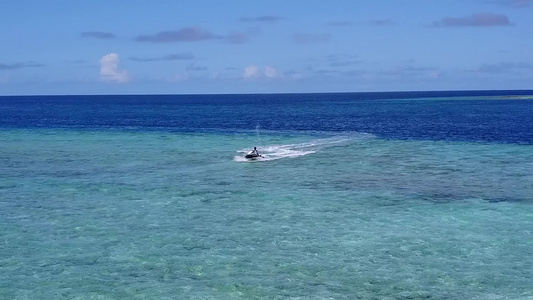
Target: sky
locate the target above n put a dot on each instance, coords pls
(61, 47)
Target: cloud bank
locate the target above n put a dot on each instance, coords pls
(479, 20)
(187, 34)
(515, 3)
(109, 70)
(191, 34)
(253, 71)
(98, 35)
(373, 22)
(193, 67)
(262, 19)
(170, 57)
(20, 65)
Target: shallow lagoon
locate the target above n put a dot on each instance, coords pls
(164, 215)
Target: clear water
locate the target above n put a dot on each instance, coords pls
(108, 212)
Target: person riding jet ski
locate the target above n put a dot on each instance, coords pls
(253, 154)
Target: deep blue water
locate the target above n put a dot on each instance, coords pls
(479, 116)
(150, 197)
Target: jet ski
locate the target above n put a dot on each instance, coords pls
(252, 155)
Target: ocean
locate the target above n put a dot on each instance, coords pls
(408, 195)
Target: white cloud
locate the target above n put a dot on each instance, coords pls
(294, 74)
(435, 75)
(252, 71)
(109, 70)
(271, 72)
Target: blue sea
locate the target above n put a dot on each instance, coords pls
(411, 195)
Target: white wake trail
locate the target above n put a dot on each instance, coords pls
(275, 152)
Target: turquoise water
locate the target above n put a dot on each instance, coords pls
(119, 214)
